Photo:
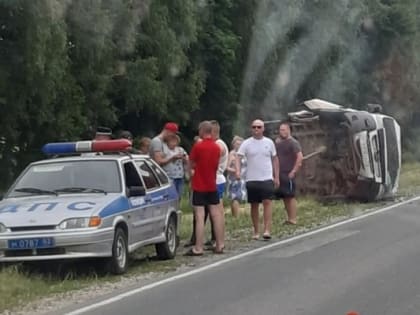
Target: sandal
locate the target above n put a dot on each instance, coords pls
(287, 222)
(266, 236)
(219, 252)
(192, 253)
(256, 237)
(209, 243)
(189, 244)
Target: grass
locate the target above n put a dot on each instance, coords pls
(20, 284)
(410, 179)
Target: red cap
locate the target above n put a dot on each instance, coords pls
(171, 126)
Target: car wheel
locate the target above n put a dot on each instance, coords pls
(167, 249)
(118, 263)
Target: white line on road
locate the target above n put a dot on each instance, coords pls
(311, 244)
(233, 258)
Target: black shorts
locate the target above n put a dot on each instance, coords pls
(287, 188)
(259, 190)
(205, 198)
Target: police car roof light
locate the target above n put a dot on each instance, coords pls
(111, 145)
(87, 146)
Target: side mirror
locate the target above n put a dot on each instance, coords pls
(136, 191)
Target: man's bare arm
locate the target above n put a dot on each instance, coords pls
(191, 166)
(276, 169)
(222, 148)
(231, 169)
(238, 166)
(298, 164)
(159, 159)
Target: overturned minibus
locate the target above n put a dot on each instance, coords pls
(347, 153)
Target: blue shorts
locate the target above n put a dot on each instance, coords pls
(221, 190)
(179, 185)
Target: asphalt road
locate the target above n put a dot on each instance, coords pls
(371, 266)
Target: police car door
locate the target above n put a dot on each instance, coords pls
(167, 203)
(141, 221)
(158, 195)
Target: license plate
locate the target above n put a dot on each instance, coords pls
(30, 243)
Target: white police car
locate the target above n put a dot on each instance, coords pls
(89, 206)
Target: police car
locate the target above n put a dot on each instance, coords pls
(89, 206)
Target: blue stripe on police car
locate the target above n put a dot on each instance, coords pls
(46, 206)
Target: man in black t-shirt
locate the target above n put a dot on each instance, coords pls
(289, 153)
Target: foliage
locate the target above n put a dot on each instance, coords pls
(67, 66)
(349, 52)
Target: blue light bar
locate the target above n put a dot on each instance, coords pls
(59, 148)
(87, 146)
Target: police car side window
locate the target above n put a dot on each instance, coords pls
(147, 174)
(163, 178)
(132, 177)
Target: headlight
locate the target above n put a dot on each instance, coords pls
(80, 223)
(2, 228)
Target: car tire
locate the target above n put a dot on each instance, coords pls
(167, 249)
(118, 263)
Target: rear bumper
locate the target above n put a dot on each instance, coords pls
(67, 245)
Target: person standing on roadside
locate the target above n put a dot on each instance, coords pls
(289, 153)
(176, 169)
(236, 187)
(262, 175)
(125, 134)
(191, 242)
(220, 177)
(158, 145)
(144, 145)
(204, 161)
(101, 134)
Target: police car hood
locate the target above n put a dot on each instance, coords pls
(52, 210)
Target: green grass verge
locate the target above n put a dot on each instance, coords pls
(20, 284)
(410, 179)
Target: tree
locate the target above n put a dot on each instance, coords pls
(160, 82)
(68, 66)
(39, 99)
(218, 50)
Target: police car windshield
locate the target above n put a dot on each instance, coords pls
(99, 176)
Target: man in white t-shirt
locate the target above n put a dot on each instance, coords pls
(220, 177)
(262, 175)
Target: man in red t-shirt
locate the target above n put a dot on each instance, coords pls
(204, 159)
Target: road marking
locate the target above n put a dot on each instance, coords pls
(234, 258)
(311, 244)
